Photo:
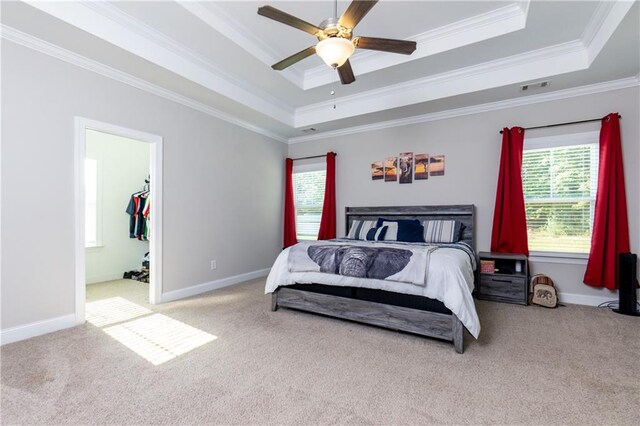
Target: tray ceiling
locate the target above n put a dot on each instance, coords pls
(216, 56)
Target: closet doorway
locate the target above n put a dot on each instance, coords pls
(118, 212)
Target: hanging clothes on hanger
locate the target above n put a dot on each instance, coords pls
(147, 217)
(138, 205)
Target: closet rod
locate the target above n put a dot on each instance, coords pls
(313, 156)
(564, 124)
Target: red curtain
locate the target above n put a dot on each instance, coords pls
(289, 208)
(328, 221)
(509, 233)
(610, 235)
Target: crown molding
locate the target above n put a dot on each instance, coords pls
(491, 24)
(114, 26)
(36, 44)
(218, 19)
(559, 59)
(591, 89)
(562, 58)
(602, 24)
(478, 28)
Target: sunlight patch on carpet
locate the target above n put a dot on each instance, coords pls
(158, 338)
(113, 310)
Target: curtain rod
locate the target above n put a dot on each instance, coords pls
(313, 156)
(564, 124)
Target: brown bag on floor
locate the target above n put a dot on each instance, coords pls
(544, 292)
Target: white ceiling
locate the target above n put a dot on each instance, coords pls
(216, 56)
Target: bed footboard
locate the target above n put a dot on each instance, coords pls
(425, 323)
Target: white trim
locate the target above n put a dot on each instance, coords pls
(484, 26)
(155, 244)
(223, 23)
(118, 28)
(591, 89)
(124, 31)
(553, 59)
(34, 43)
(38, 328)
(213, 285)
(500, 21)
(79, 191)
(602, 25)
(588, 300)
(558, 59)
(102, 278)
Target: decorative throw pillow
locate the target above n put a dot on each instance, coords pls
(359, 229)
(392, 231)
(442, 231)
(377, 234)
(408, 230)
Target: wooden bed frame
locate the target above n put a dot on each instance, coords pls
(435, 320)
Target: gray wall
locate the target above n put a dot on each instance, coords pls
(123, 166)
(215, 207)
(471, 145)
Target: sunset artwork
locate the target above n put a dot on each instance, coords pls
(421, 167)
(390, 169)
(436, 165)
(406, 167)
(377, 171)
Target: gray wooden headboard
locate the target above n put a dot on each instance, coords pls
(463, 213)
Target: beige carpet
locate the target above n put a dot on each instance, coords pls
(571, 365)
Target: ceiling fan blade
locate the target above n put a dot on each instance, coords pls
(355, 12)
(346, 73)
(285, 18)
(387, 45)
(287, 62)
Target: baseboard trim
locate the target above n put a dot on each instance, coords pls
(38, 328)
(583, 299)
(102, 278)
(170, 296)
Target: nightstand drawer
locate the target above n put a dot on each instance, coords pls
(507, 288)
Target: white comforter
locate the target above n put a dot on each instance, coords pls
(449, 280)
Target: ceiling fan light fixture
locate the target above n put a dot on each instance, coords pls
(335, 51)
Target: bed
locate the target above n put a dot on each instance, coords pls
(440, 308)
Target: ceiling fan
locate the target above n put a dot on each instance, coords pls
(335, 38)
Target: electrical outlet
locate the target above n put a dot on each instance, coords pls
(214, 265)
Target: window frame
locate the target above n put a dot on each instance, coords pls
(558, 141)
(305, 167)
(98, 243)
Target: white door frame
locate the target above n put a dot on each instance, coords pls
(155, 244)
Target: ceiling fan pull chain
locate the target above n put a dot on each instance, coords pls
(334, 84)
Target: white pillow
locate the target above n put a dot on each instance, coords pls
(392, 231)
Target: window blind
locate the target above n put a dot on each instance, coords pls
(308, 194)
(559, 186)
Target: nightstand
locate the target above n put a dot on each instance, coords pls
(505, 277)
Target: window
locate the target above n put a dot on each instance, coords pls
(91, 214)
(308, 195)
(559, 176)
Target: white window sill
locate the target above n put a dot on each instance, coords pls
(97, 247)
(553, 257)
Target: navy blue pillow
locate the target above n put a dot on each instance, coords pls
(409, 230)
